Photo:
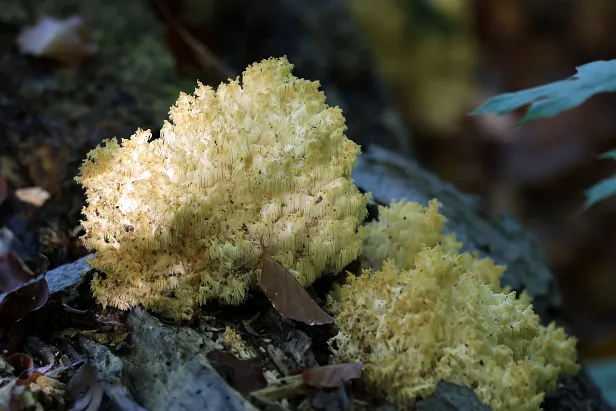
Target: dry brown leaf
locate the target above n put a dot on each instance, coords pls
(19, 303)
(14, 274)
(36, 196)
(21, 290)
(245, 376)
(24, 369)
(329, 376)
(65, 40)
(22, 363)
(288, 296)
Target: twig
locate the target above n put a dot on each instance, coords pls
(206, 59)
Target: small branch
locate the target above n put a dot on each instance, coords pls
(207, 60)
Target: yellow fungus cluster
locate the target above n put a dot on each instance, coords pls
(442, 315)
(402, 229)
(264, 166)
(405, 227)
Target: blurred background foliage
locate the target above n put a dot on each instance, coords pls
(428, 53)
(443, 58)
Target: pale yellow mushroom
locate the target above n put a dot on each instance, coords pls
(427, 312)
(261, 166)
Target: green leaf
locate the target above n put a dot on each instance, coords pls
(611, 155)
(553, 98)
(600, 191)
(604, 188)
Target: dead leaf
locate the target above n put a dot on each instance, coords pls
(21, 290)
(31, 378)
(329, 376)
(86, 389)
(22, 301)
(14, 273)
(65, 40)
(245, 376)
(24, 369)
(22, 363)
(36, 196)
(288, 296)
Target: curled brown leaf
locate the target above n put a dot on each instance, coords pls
(22, 363)
(20, 302)
(288, 296)
(245, 376)
(21, 290)
(14, 273)
(36, 196)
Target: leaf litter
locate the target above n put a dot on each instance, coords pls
(288, 296)
(245, 376)
(21, 290)
(65, 40)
